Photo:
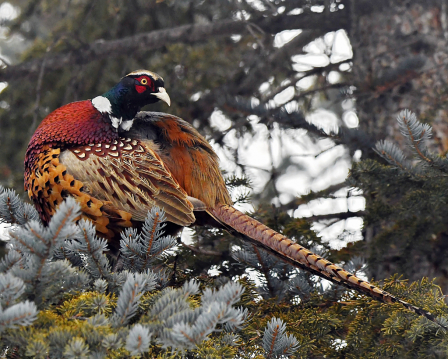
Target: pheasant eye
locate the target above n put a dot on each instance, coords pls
(143, 81)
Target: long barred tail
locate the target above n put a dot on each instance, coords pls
(303, 258)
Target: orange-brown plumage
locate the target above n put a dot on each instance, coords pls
(118, 170)
(46, 180)
(192, 161)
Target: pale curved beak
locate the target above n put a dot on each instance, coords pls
(163, 95)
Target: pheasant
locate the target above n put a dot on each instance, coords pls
(118, 163)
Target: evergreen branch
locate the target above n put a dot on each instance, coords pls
(58, 278)
(395, 156)
(356, 265)
(9, 205)
(92, 248)
(264, 269)
(100, 285)
(151, 280)
(140, 249)
(138, 340)
(280, 115)
(270, 268)
(204, 252)
(116, 281)
(161, 246)
(190, 288)
(312, 195)
(76, 348)
(189, 336)
(258, 73)
(64, 253)
(271, 335)
(150, 233)
(319, 89)
(20, 314)
(230, 294)
(183, 328)
(415, 133)
(333, 66)
(38, 244)
(62, 225)
(13, 210)
(33, 247)
(127, 303)
(130, 247)
(300, 285)
(170, 308)
(235, 182)
(99, 320)
(245, 255)
(10, 260)
(11, 288)
(112, 341)
(335, 216)
(275, 342)
(23, 247)
(37, 348)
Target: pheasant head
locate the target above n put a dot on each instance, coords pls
(122, 102)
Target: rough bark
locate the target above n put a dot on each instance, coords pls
(400, 61)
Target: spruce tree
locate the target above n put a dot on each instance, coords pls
(63, 295)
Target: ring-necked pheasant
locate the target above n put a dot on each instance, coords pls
(118, 163)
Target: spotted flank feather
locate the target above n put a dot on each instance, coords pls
(49, 183)
(129, 175)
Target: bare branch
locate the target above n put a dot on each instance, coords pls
(261, 72)
(335, 216)
(148, 41)
(38, 92)
(318, 89)
(202, 251)
(297, 77)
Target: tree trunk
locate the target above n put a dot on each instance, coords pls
(400, 62)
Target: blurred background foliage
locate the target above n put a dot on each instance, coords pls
(290, 94)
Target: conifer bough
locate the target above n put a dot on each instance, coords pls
(303, 258)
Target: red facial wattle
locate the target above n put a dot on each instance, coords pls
(143, 83)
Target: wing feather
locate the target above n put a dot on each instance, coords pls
(131, 177)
